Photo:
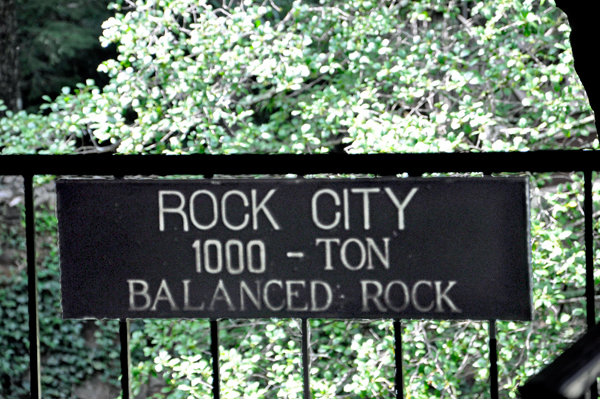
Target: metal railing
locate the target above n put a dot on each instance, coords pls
(255, 164)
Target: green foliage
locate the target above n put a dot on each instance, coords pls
(22, 132)
(359, 76)
(58, 45)
(66, 359)
(420, 76)
(261, 358)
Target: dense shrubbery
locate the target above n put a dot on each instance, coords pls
(58, 45)
(67, 359)
(395, 76)
(358, 76)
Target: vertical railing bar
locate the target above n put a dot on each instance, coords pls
(214, 351)
(125, 354)
(493, 342)
(589, 251)
(305, 347)
(493, 350)
(125, 357)
(305, 358)
(214, 344)
(32, 288)
(589, 260)
(399, 360)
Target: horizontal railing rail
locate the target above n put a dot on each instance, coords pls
(382, 164)
(301, 164)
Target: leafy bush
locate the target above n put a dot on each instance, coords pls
(355, 76)
(66, 358)
(420, 76)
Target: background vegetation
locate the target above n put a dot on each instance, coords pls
(355, 76)
(58, 46)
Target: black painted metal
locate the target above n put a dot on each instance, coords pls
(493, 351)
(398, 355)
(125, 358)
(589, 251)
(381, 164)
(571, 374)
(305, 359)
(413, 164)
(493, 347)
(125, 353)
(32, 286)
(590, 289)
(214, 351)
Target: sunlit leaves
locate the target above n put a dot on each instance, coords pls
(365, 77)
(399, 77)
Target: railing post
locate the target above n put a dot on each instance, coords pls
(32, 288)
(125, 355)
(125, 358)
(493, 342)
(214, 345)
(214, 350)
(305, 349)
(398, 355)
(590, 289)
(589, 251)
(305, 358)
(493, 350)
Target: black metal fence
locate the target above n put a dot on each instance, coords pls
(209, 165)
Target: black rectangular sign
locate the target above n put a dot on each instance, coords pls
(435, 248)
